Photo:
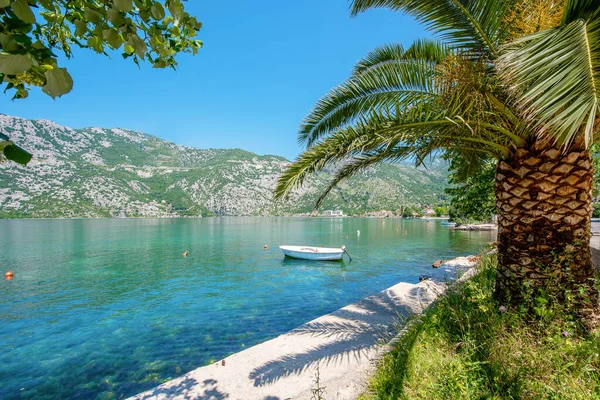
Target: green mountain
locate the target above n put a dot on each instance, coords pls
(97, 172)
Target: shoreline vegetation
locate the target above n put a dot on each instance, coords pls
(468, 345)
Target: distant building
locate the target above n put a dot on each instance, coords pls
(380, 214)
(429, 212)
(333, 213)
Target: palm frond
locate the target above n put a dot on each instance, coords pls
(476, 25)
(465, 164)
(556, 77)
(360, 163)
(333, 148)
(579, 9)
(418, 131)
(381, 87)
(431, 50)
(421, 147)
(368, 135)
(428, 50)
(388, 53)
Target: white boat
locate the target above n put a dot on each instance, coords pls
(446, 223)
(314, 253)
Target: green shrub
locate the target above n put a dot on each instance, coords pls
(468, 346)
(596, 212)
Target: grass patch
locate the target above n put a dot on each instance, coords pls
(467, 346)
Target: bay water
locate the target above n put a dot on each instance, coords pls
(107, 308)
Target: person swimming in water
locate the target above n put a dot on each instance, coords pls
(185, 253)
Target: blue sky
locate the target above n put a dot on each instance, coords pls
(263, 66)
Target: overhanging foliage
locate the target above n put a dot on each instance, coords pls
(33, 32)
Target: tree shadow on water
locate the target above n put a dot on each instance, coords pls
(187, 388)
(349, 333)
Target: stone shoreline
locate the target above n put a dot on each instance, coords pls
(343, 347)
(476, 227)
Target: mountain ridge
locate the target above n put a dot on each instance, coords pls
(106, 172)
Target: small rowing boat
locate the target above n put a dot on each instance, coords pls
(448, 223)
(314, 253)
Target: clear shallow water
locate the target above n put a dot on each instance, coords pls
(109, 308)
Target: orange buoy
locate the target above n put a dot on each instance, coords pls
(9, 275)
(265, 247)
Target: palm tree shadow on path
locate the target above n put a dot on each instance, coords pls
(346, 336)
(188, 388)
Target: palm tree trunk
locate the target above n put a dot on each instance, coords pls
(543, 197)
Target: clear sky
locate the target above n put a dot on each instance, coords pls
(263, 66)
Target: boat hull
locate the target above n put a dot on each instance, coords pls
(448, 223)
(312, 253)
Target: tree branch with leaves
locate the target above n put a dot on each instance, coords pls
(34, 32)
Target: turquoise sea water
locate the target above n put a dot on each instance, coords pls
(109, 308)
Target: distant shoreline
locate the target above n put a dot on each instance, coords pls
(219, 216)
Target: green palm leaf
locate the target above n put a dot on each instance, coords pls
(386, 54)
(428, 50)
(419, 141)
(360, 163)
(418, 132)
(476, 25)
(556, 74)
(386, 78)
(576, 9)
(334, 148)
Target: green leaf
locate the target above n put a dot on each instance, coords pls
(113, 38)
(80, 28)
(96, 44)
(160, 64)
(115, 18)
(92, 15)
(175, 7)
(158, 12)
(138, 44)
(58, 82)
(123, 5)
(17, 154)
(12, 64)
(23, 11)
(129, 49)
(4, 3)
(8, 43)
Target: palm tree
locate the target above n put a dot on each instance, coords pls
(536, 117)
